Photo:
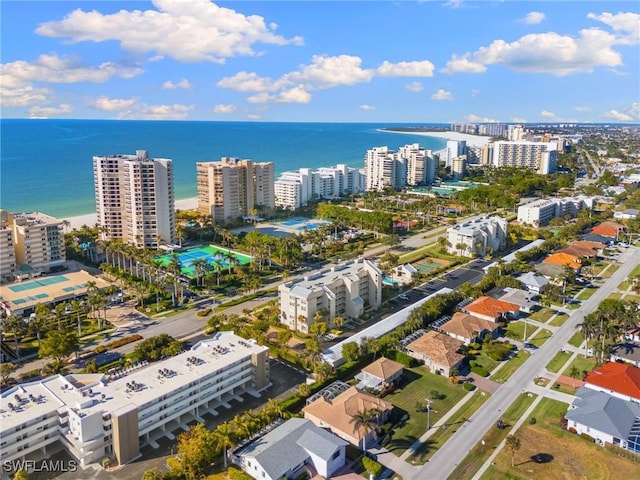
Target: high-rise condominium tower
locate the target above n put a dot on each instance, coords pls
(232, 188)
(135, 198)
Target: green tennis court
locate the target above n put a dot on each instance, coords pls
(41, 282)
(217, 257)
(426, 267)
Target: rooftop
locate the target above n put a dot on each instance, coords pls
(467, 326)
(607, 229)
(617, 377)
(439, 347)
(491, 307)
(383, 368)
(563, 259)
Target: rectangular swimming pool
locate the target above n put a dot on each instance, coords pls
(42, 282)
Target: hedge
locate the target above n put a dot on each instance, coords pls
(470, 387)
(371, 466)
(203, 313)
(402, 358)
(483, 372)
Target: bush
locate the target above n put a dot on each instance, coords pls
(30, 374)
(480, 371)
(473, 363)
(402, 358)
(234, 473)
(587, 437)
(122, 341)
(573, 430)
(532, 421)
(371, 466)
(470, 387)
(100, 349)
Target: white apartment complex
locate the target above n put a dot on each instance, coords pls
(344, 290)
(410, 165)
(540, 212)
(231, 188)
(473, 238)
(135, 198)
(296, 188)
(94, 415)
(539, 156)
(30, 243)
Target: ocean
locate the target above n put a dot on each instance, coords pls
(46, 165)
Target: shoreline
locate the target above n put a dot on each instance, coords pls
(90, 219)
(472, 140)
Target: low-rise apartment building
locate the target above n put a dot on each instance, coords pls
(474, 237)
(95, 415)
(540, 212)
(344, 290)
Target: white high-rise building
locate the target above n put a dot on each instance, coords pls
(232, 188)
(296, 188)
(344, 290)
(474, 237)
(539, 156)
(135, 198)
(454, 149)
(410, 165)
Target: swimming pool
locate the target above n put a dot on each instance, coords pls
(304, 223)
(41, 282)
(215, 256)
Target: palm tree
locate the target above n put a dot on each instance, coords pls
(366, 420)
(175, 268)
(15, 323)
(224, 438)
(513, 443)
(574, 373)
(338, 321)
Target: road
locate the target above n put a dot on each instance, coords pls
(445, 460)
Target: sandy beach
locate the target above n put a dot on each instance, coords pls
(91, 219)
(472, 140)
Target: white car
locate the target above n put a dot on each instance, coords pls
(403, 297)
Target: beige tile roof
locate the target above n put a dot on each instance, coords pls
(439, 347)
(339, 411)
(383, 368)
(467, 326)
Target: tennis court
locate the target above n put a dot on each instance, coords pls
(41, 282)
(428, 265)
(216, 256)
(303, 223)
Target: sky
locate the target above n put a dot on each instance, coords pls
(323, 61)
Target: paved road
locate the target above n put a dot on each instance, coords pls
(447, 458)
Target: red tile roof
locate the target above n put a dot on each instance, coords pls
(562, 259)
(491, 307)
(618, 377)
(607, 229)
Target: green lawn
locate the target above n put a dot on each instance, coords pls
(515, 330)
(480, 453)
(635, 272)
(543, 315)
(558, 361)
(615, 296)
(485, 362)
(576, 340)
(511, 366)
(586, 293)
(606, 273)
(427, 449)
(624, 285)
(419, 383)
(542, 336)
(559, 319)
(583, 364)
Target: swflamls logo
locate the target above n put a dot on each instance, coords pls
(31, 466)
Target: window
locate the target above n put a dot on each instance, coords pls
(335, 455)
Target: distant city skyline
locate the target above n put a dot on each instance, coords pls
(370, 61)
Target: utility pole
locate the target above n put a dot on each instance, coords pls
(428, 414)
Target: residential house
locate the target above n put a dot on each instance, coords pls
(532, 282)
(337, 414)
(584, 249)
(592, 237)
(628, 214)
(294, 448)
(467, 328)
(379, 374)
(608, 419)
(438, 351)
(617, 379)
(491, 309)
(564, 260)
(608, 229)
(523, 298)
(551, 271)
(404, 273)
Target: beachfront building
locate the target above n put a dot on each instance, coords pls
(231, 189)
(539, 156)
(344, 290)
(459, 167)
(454, 149)
(295, 189)
(410, 165)
(135, 199)
(475, 237)
(94, 416)
(32, 243)
(539, 212)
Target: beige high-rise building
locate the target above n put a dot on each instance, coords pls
(135, 198)
(232, 188)
(30, 243)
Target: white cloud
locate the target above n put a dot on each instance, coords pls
(471, 118)
(442, 94)
(253, 116)
(366, 107)
(322, 73)
(631, 114)
(112, 104)
(626, 24)
(21, 95)
(224, 108)
(193, 31)
(157, 112)
(582, 109)
(45, 112)
(547, 52)
(423, 68)
(169, 85)
(453, 3)
(462, 64)
(547, 114)
(415, 87)
(518, 120)
(533, 18)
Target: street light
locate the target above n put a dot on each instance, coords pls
(428, 414)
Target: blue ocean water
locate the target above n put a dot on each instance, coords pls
(46, 165)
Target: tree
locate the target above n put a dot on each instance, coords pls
(574, 373)
(513, 444)
(323, 371)
(21, 475)
(319, 328)
(196, 451)
(6, 369)
(57, 345)
(223, 437)
(367, 421)
(338, 321)
(152, 474)
(351, 351)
